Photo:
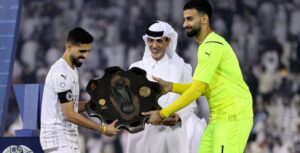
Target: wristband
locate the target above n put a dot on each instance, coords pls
(103, 129)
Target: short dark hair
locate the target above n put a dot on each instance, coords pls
(200, 5)
(79, 36)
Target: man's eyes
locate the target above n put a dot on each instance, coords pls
(83, 51)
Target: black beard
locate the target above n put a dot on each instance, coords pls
(193, 33)
(75, 61)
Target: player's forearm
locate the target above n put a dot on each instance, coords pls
(81, 107)
(180, 88)
(185, 99)
(81, 121)
(191, 94)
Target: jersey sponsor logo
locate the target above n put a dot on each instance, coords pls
(17, 149)
(207, 53)
(64, 76)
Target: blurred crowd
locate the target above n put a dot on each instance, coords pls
(265, 35)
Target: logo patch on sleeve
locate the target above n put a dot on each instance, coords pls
(69, 96)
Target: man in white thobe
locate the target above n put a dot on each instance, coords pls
(179, 133)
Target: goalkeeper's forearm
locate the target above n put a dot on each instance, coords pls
(192, 93)
(180, 88)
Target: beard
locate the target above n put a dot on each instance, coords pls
(75, 61)
(194, 32)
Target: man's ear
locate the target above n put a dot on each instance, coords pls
(204, 19)
(68, 45)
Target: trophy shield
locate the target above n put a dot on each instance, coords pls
(123, 95)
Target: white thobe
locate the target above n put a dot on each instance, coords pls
(167, 139)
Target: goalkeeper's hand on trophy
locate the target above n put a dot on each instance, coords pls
(171, 120)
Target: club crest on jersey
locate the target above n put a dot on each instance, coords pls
(62, 85)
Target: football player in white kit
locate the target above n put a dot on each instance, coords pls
(60, 105)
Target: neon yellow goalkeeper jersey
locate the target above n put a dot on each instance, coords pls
(227, 92)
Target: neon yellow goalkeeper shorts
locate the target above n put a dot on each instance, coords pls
(224, 136)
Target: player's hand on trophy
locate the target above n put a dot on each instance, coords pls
(166, 86)
(110, 129)
(171, 120)
(154, 117)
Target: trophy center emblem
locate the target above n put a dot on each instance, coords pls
(145, 91)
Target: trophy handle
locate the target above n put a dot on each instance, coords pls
(93, 113)
(136, 129)
(133, 128)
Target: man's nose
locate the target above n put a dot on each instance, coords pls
(154, 44)
(85, 55)
(184, 24)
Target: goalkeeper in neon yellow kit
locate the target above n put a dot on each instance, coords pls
(218, 77)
